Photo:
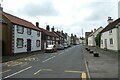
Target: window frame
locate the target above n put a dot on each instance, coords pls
(17, 45)
(111, 41)
(110, 31)
(37, 43)
(38, 33)
(29, 31)
(20, 31)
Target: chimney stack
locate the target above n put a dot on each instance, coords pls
(110, 20)
(1, 8)
(94, 30)
(53, 29)
(48, 27)
(37, 24)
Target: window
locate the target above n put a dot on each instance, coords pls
(48, 37)
(19, 42)
(28, 31)
(38, 33)
(110, 32)
(101, 41)
(20, 29)
(111, 41)
(38, 43)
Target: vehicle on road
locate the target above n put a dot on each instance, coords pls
(65, 45)
(60, 47)
(51, 48)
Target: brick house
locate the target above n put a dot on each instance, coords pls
(48, 37)
(19, 35)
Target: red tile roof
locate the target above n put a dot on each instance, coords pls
(19, 21)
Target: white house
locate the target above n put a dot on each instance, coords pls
(92, 36)
(110, 35)
(23, 36)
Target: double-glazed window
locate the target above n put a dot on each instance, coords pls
(20, 29)
(19, 42)
(28, 31)
(38, 43)
(111, 41)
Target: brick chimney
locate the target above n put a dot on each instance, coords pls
(53, 29)
(48, 27)
(110, 20)
(37, 24)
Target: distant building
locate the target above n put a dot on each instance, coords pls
(92, 36)
(86, 36)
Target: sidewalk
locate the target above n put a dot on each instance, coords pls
(104, 66)
(18, 56)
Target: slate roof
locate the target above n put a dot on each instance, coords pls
(111, 25)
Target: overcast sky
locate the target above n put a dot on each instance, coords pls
(71, 16)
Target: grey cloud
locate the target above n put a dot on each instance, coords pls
(44, 9)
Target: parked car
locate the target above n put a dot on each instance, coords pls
(51, 48)
(65, 45)
(60, 47)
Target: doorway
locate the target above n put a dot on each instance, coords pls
(28, 45)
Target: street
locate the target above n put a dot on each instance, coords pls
(68, 63)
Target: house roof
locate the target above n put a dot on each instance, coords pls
(94, 32)
(19, 21)
(111, 25)
(59, 34)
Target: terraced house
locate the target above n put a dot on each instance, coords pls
(110, 35)
(19, 36)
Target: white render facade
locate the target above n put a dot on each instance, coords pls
(91, 39)
(20, 41)
(109, 39)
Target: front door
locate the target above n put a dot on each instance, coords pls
(28, 45)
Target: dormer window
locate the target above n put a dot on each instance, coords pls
(20, 29)
(28, 31)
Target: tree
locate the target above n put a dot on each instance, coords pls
(97, 39)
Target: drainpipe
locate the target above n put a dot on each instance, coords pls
(117, 26)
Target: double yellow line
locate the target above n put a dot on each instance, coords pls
(84, 76)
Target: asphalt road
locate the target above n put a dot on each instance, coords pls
(68, 63)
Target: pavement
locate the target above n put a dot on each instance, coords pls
(104, 67)
(18, 56)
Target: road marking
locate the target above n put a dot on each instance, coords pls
(37, 72)
(83, 76)
(17, 72)
(47, 70)
(5, 71)
(87, 69)
(48, 59)
(73, 71)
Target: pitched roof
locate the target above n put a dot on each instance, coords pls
(59, 34)
(94, 32)
(19, 21)
(111, 25)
